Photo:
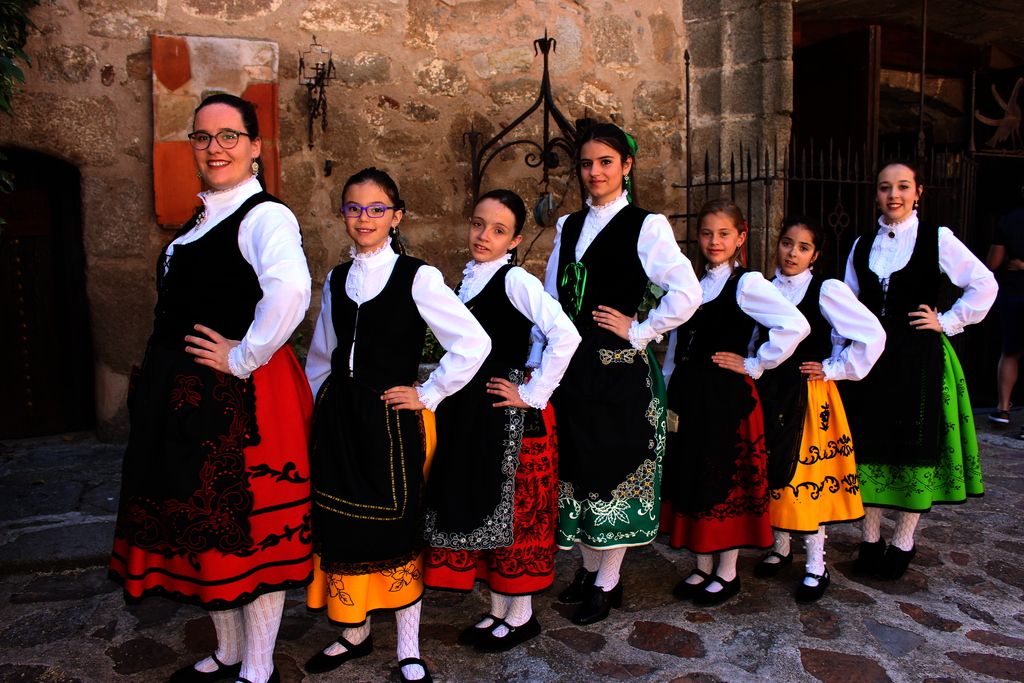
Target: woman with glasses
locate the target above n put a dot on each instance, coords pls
(215, 489)
(373, 428)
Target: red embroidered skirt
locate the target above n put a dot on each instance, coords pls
(527, 566)
(215, 493)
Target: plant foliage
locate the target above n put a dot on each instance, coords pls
(14, 28)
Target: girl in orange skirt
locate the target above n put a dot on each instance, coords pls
(811, 467)
(373, 426)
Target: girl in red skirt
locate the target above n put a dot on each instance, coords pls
(492, 501)
(715, 488)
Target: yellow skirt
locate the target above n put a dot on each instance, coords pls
(349, 599)
(824, 488)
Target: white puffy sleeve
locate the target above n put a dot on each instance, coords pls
(456, 329)
(850, 319)
(967, 272)
(270, 241)
(318, 360)
(787, 327)
(529, 298)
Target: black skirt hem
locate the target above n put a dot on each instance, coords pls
(213, 605)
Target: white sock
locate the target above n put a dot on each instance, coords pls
(591, 558)
(353, 635)
(519, 613)
(230, 639)
(906, 523)
(262, 619)
(871, 527)
(781, 546)
(815, 546)
(608, 574)
(499, 608)
(726, 569)
(706, 564)
(408, 621)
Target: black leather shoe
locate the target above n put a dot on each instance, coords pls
(576, 590)
(516, 636)
(686, 591)
(894, 563)
(322, 663)
(807, 594)
(597, 604)
(766, 570)
(414, 660)
(190, 674)
(707, 599)
(472, 635)
(868, 557)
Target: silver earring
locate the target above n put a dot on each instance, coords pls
(255, 167)
(199, 174)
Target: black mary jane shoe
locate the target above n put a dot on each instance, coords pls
(322, 662)
(894, 564)
(766, 570)
(708, 599)
(805, 594)
(516, 635)
(597, 604)
(190, 674)
(687, 591)
(474, 634)
(868, 557)
(275, 677)
(414, 660)
(577, 589)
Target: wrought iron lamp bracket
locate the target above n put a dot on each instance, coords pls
(316, 71)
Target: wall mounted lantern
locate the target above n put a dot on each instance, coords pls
(316, 71)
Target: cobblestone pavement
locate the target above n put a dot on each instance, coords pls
(958, 614)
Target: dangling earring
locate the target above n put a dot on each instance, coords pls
(199, 174)
(255, 167)
(915, 204)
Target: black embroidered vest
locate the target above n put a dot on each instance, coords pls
(817, 346)
(508, 329)
(611, 274)
(387, 331)
(209, 283)
(718, 325)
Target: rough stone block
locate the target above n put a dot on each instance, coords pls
(480, 10)
(706, 98)
(510, 92)
(657, 101)
(46, 626)
(421, 112)
(230, 10)
(346, 16)
(664, 39)
(744, 36)
(397, 145)
(441, 77)
(704, 41)
(120, 332)
(363, 68)
(133, 8)
(567, 56)
(507, 61)
(115, 223)
(743, 90)
(116, 28)
(45, 119)
(613, 38)
(837, 667)
(578, 640)
(425, 197)
(599, 97)
(652, 191)
(667, 639)
(297, 185)
(68, 64)
(139, 66)
(74, 545)
(463, 123)
(140, 654)
(748, 648)
(422, 25)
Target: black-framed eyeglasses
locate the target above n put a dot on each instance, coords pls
(373, 210)
(227, 139)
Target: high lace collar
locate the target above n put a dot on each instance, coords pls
(226, 196)
(794, 280)
(370, 257)
(611, 207)
(719, 271)
(476, 276)
(908, 222)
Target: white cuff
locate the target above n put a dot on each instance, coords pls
(753, 367)
(536, 394)
(640, 338)
(828, 366)
(536, 354)
(950, 323)
(429, 397)
(237, 369)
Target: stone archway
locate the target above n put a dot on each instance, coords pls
(46, 355)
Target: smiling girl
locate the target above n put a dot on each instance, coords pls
(716, 489)
(611, 404)
(811, 467)
(372, 424)
(491, 500)
(918, 447)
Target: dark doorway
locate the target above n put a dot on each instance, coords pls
(46, 361)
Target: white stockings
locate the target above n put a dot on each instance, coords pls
(353, 635)
(903, 535)
(606, 563)
(815, 546)
(230, 627)
(247, 634)
(408, 621)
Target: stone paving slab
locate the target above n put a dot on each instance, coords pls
(957, 616)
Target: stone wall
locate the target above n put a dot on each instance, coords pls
(413, 77)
